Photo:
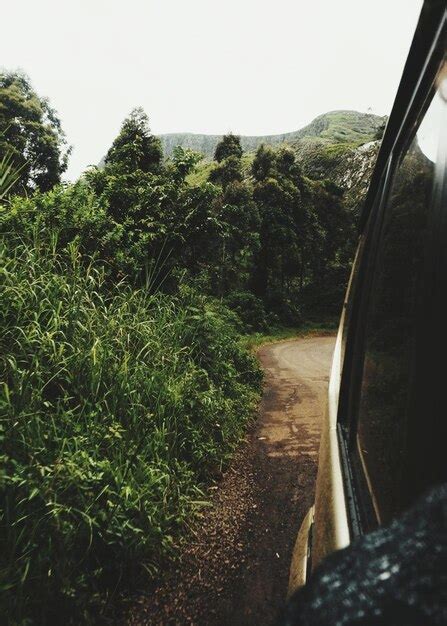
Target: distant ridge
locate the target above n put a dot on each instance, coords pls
(350, 127)
(340, 146)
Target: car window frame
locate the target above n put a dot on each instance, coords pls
(399, 134)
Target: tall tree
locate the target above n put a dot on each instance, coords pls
(264, 163)
(227, 171)
(239, 221)
(182, 162)
(229, 145)
(229, 165)
(31, 133)
(135, 148)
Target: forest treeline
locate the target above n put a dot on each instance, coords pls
(273, 244)
(125, 384)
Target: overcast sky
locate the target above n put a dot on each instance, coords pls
(250, 66)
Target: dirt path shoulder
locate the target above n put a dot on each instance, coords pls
(234, 570)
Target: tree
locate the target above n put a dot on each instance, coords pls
(287, 166)
(230, 145)
(198, 228)
(239, 218)
(31, 133)
(278, 256)
(182, 162)
(227, 171)
(135, 148)
(264, 163)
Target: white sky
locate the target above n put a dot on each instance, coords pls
(207, 66)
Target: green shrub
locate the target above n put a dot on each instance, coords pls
(286, 310)
(115, 407)
(250, 310)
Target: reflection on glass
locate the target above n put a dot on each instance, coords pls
(428, 132)
(390, 321)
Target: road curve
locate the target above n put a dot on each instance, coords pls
(234, 567)
(297, 374)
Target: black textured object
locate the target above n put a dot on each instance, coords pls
(395, 576)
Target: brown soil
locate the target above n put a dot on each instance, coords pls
(234, 566)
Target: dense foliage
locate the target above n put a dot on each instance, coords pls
(31, 133)
(135, 148)
(116, 406)
(124, 381)
(267, 231)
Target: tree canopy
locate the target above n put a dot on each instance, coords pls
(256, 231)
(135, 148)
(230, 145)
(31, 133)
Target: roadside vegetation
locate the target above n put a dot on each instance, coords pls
(126, 374)
(117, 406)
(284, 333)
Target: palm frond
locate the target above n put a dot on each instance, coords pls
(9, 175)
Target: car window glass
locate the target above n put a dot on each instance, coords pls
(390, 321)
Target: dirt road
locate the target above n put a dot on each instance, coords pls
(234, 567)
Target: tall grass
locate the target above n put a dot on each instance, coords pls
(115, 407)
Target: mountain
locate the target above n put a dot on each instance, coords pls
(347, 127)
(350, 167)
(340, 146)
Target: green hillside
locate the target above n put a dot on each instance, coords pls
(341, 127)
(349, 127)
(340, 146)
